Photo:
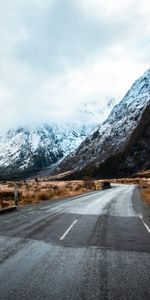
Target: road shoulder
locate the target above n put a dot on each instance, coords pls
(140, 206)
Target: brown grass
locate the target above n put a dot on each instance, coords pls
(146, 191)
(146, 195)
(35, 191)
(6, 197)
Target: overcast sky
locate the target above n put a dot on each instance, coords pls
(56, 55)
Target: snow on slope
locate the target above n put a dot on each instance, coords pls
(113, 134)
(28, 150)
(20, 147)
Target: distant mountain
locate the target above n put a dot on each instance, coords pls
(120, 146)
(27, 151)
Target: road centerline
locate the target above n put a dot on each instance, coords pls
(67, 231)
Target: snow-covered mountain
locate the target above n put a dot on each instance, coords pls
(25, 151)
(121, 144)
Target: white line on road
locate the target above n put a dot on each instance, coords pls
(148, 229)
(67, 231)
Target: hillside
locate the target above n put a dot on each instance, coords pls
(121, 145)
(27, 151)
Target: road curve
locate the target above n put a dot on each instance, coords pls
(94, 246)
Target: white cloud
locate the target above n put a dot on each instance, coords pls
(107, 8)
(58, 97)
(55, 56)
(97, 80)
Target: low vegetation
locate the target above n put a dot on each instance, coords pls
(35, 191)
(146, 195)
(146, 191)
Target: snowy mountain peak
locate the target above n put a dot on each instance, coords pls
(30, 149)
(113, 135)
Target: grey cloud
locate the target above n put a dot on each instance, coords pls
(63, 34)
(46, 46)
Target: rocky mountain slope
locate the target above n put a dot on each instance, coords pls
(121, 144)
(24, 151)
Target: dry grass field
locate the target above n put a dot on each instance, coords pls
(146, 191)
(146, 195)
(35, 191)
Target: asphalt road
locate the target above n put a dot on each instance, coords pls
(95, 246)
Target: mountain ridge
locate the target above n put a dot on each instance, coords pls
(112, 136)
(82, 149)
(24, 151)
(30, 150)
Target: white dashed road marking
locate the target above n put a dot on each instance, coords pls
(67, 231)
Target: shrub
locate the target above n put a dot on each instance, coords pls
(45, 195)
(89, 183)
(78, 187)
(6, 195)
